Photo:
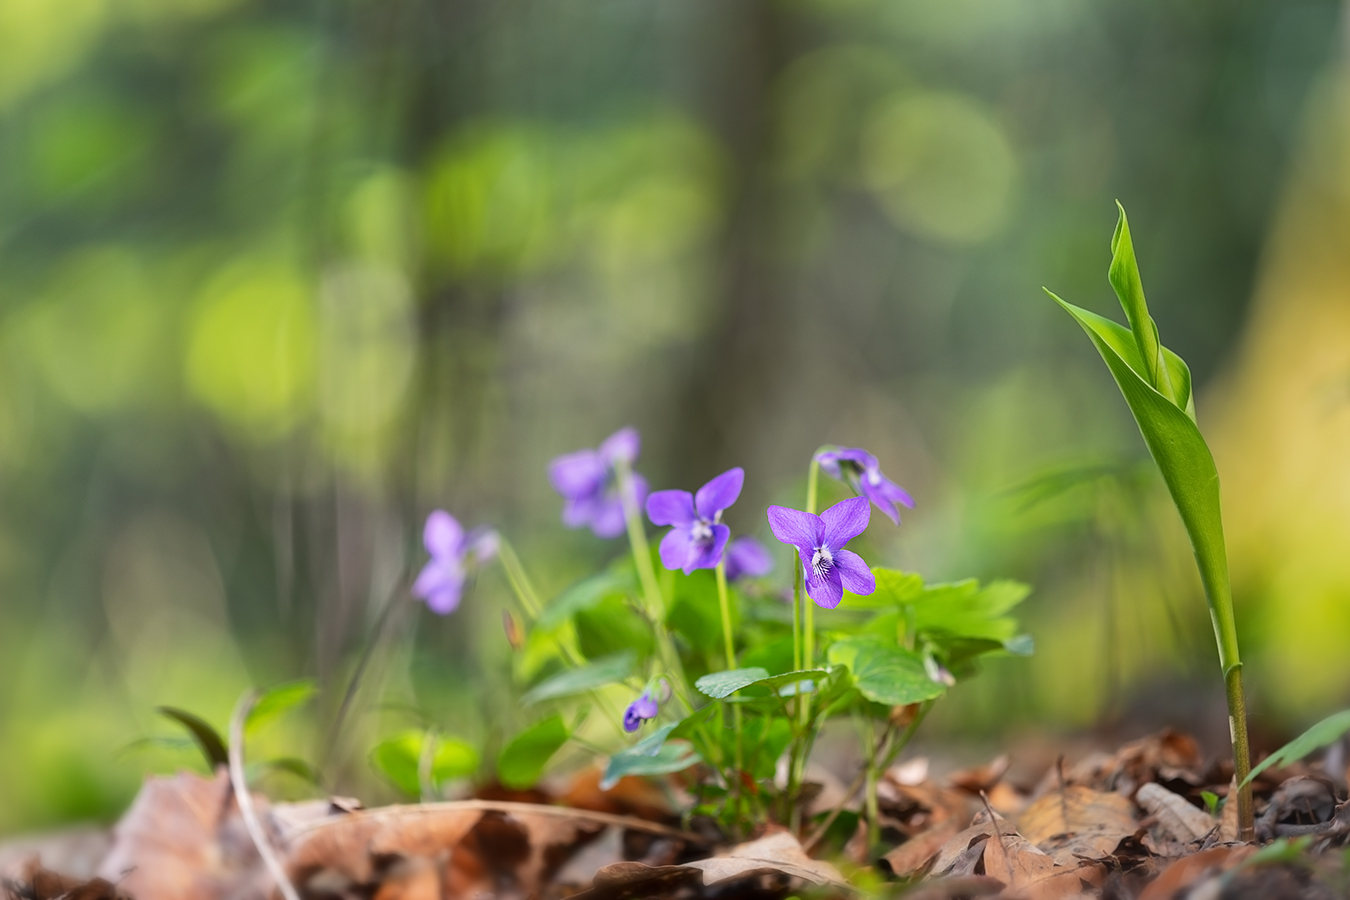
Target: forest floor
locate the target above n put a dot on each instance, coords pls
(1144, 821)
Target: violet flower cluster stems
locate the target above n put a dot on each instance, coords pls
(601, 491)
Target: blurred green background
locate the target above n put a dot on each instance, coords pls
(278, 278)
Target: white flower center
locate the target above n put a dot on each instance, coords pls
(822, 561)
(702, 532)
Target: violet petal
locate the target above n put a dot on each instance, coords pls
(853, 573)
(578, 474)
(675, 548)
(747, 558)
(792, 526)
(720, 493)
(608, 520)
(827, 590)
(707, 556)
(623, 444)
(845, 520)
(443, 536)
(671, 508)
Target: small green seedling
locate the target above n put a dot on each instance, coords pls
(1156, 384)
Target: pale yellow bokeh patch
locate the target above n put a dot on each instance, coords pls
(1281, 427)
(251, 347)
(941, 165)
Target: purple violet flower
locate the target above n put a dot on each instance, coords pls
(829, 569)
(441, 581)
(861, 470)
(644, 707)
(698, 538)
(747, 558)
(589, 485)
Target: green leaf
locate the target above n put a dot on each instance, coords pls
(965, 609)
(522, 761)
(1124, 278)
(578, 681)
(400, 757)
(766, 738)
(208, 739)
(695, 612)
(279, 699)
(672, 757)
(1324, 733)
(619, 580)
(652, 743)
(455, 758)
(1182, 456)
(723, 684)
(796, 680)
(885, 673)
(894, 588)
(291, 765)
(774, 655)
(612, 626)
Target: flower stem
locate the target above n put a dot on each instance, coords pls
(809, 607)
(520, 581)
(642, 558)
(725, 603)
(524, 590)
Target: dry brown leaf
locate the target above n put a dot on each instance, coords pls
(777, 852)
(509, 840)
(959, 848)
(30, 881)
(1190, 869)
(632, 879)
(980, 778)
(416, 879)
(349, 843)
(632, 795)
(1228, 819)
(958, 887)
(1175, 815)
(74, 852)
(1078, 822)
(1165, 756)
(1006, 800)
(579, 870)
(183, 837)
(1029, 872)
(1301, 801)
(914, 854)
(545, 833)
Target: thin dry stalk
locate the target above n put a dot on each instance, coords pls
(245, 799)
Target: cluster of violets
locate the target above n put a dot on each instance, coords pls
(592, 491)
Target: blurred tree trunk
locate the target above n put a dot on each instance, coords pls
(732, 378)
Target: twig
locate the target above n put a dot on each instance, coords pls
(245, 799)
(993, 821)
(834, 813)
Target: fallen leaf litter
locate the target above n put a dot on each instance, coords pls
(1131, 824)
